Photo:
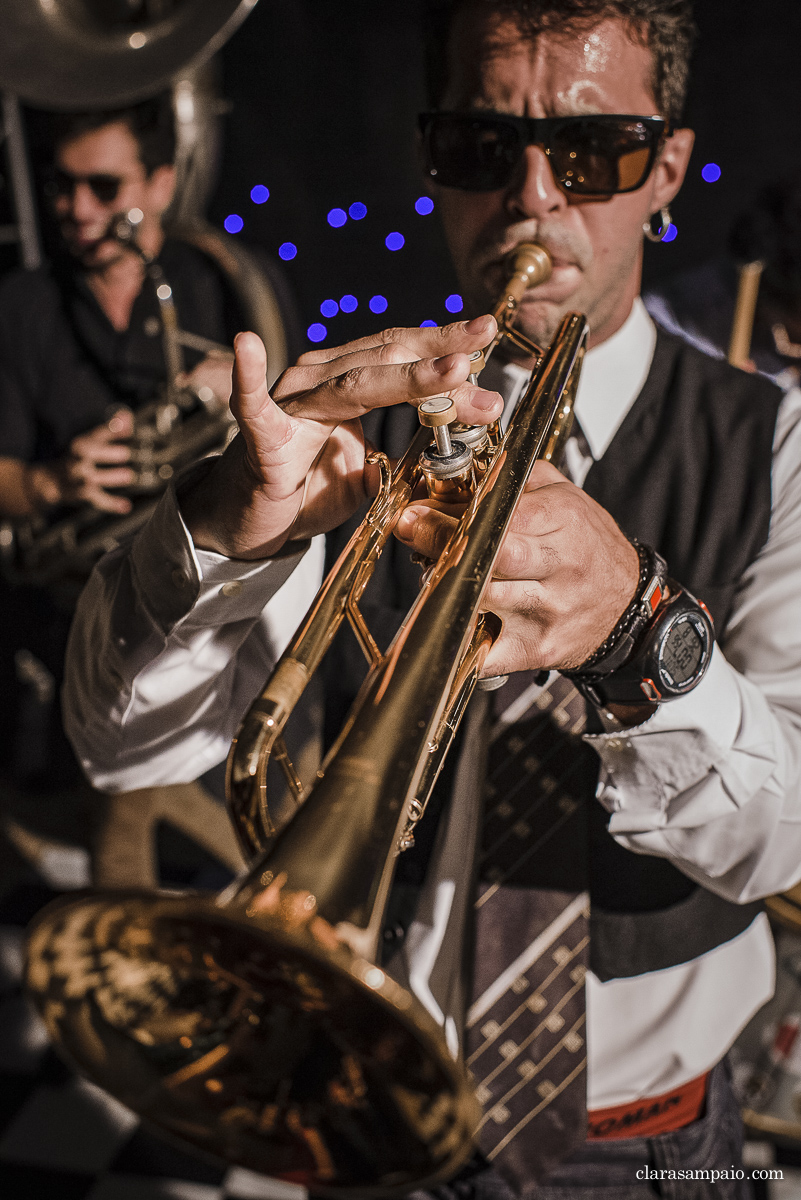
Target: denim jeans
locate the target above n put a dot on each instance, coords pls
(607, 1170)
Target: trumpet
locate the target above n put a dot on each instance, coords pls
(260, 1025)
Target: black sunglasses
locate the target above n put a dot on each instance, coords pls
(105, 188)
(598, 155)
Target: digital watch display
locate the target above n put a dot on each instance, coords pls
(681, 651)
(669, 659)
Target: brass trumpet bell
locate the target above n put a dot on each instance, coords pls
(265, 1042)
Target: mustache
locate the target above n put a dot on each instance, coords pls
(563, 245)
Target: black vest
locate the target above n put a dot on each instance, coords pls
(689, 473)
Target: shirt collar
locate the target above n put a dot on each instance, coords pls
(612, 378)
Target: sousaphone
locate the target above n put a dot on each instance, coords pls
(72, 54)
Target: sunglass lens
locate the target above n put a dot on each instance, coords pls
(105, 187)
(59, 183)
(475, 154)
(602, 158)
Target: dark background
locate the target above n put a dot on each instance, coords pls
(324, 96)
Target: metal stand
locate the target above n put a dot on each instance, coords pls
(25, 231)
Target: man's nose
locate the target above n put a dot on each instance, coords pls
(534, 192)
(84, 205)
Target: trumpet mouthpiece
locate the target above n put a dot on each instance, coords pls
(529, 264)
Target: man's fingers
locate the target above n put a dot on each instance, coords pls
(121, 424)
(102, 444)
(264, 426)
(110, 477)
(360, 389)
(428, 342)
(100, 452)
(361, 375)
(425, 529)
(298, 380)
(250, 395)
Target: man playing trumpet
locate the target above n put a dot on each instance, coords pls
(556, 123)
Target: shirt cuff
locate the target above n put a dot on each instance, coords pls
(178, 583)
(646, 767)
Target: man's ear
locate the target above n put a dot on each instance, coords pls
(671, 167)
(162, 186)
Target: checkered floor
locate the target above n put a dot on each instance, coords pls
(61, 1137)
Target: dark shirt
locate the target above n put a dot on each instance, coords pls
(63, 371)
(63, 366)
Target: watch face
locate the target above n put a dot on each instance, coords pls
(683, 651)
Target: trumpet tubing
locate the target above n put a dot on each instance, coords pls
(261, 1025)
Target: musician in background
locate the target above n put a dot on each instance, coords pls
(691, 804)
(80, 352)
(700, 303)
(82, 338)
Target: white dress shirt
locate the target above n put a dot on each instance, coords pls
(171, 643)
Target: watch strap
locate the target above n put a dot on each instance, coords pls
(619, 645)
(639, 680)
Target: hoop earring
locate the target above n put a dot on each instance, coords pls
(665, 218)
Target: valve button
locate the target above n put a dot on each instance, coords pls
(437, 411)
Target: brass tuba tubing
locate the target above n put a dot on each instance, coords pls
(259, 1025)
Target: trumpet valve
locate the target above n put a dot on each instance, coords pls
(448, 464)
(438, 413)
(477, 365)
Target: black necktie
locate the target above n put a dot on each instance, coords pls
(526, 1026)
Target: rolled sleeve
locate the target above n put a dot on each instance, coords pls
(707, 782)
(169, 646)
(646, 768)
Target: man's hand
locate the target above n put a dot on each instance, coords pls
(297, 467)
(95, 461)
(564, 575)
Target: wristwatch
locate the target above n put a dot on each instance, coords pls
(659, 649)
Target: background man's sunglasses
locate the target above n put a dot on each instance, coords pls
(590, 156)
(104, 187)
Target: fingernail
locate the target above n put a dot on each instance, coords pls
(445, 364)
(476, 325)
(406, 523)
(486, 400)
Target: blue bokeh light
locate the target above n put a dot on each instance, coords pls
(671, 234)
(287, 251)
(378, 304)
(424, 206)
(357, 211)
(711, 173)
(349, 303)
(259, 194)
(316, 332)
(337, 217)
(454, 303)
(428, 324)
(329, 308)
(233, 223)
(394, 241)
